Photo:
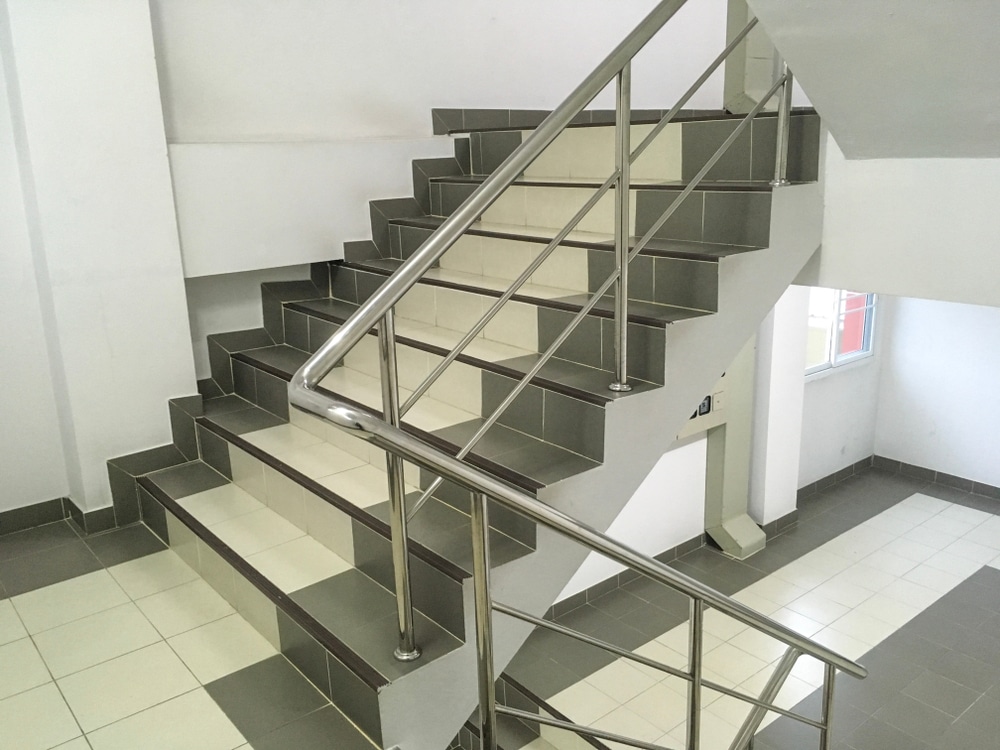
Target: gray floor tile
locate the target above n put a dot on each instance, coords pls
(188, 479)
(321, 730)
(261, 698)
(914, 717)
(942, 693)
(123, 545)
(983, 716)
(37, 539)
(247, 420)
(29, 572)
(877, 735)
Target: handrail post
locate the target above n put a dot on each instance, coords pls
(784, 127)
(696, 625)
(484, 621)
(406, 649)
(826, 733)
(623, 153)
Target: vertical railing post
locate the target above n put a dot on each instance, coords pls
(696, 624)
(784, 127)
(407, 649)
(484, 621)
(623, 152)
(826, 733)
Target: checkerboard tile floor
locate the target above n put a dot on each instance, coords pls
(124, 646)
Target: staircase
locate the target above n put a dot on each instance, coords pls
(288, 517)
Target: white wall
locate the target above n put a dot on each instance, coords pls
(910, 227)
(31, 456)
(217, 304)
(939, 402)
(253, 70)
(250, 206)
(667, 509)
(839, 417)
(777, 426)
(89, 129)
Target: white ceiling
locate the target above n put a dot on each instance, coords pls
(896, 78)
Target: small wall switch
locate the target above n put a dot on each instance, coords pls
(718, 400)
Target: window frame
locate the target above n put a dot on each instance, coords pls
(835, 360)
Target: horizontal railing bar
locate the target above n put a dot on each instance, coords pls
(696, 180)
(760, 704)
(577, 728)
(327, 356)
(369, 427)
(668, 118)
(584, 638)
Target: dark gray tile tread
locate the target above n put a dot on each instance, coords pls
(658, 247)
(281, 600)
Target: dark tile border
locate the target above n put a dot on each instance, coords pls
(608, 585)
(780, 525)
(30, 516)
(901, 467)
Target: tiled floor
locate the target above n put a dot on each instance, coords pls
(112, 641)
(861, 573)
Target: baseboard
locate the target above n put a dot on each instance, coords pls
(780, 525)
(30, 516)
(91, 521)
(901, 467)
(617, 581)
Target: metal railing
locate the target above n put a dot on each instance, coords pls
(386, 433)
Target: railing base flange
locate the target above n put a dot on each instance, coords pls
(620, 387)
(407, 655)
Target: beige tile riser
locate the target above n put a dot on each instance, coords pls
(553, 207)
(590, 153)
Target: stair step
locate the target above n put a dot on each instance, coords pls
(736, 213)
(504, 452)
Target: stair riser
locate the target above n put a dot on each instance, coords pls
(668, 281)
(677, 153)
(522, 325)
(352, 695)
(436, 595)
(719, 216)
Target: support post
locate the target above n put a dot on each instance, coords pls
(623, 151)
(406, 649)
(696, 625)
(784, 126)
(484, 621)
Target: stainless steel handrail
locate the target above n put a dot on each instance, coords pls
(367, 426)
(365, 318)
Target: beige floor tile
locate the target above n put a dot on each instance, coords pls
(70, 600)
(221, 648)
(11, 628)
(38, 719)
(95, 639)
(189, 721)
(256, 531)
(152, 574)
(21, 668)
(583, 703)
(220, 504)
(297, 564)
(621, 680)
(184, 608)
(121, 687)
(321, 460)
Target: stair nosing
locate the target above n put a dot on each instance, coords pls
(550, 709)
(364, 671)
(342, 504)
(719, 186)
(483, 364)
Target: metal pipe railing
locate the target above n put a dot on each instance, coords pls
(623, 127)
(368, 315)
(367, 426)
(784, 129)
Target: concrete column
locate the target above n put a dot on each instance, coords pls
(88, 133)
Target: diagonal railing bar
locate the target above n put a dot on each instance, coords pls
(696, 180)
(598, 295)
(686, 97)
(769, 693)
(570, 226)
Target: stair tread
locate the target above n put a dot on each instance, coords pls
(353, 608)
(666, 248)
(563, 376)
(644, 313)
(524, 466)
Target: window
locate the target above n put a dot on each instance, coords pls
(840, 328)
